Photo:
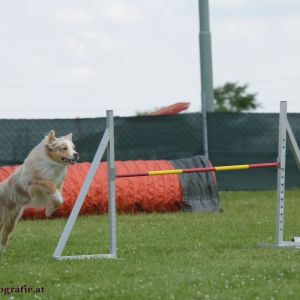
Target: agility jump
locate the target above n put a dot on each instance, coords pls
(107, 141)
(201, 170)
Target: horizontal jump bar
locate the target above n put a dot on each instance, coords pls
(201, 170)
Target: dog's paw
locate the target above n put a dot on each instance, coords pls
(2, 248)
(57, 197)
(51, 208)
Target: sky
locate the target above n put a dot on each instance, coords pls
(78, 58)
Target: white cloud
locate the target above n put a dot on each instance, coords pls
(290, 25)
(242, 30)
(227, 4)
(91, 43)
(82, 71)
(122, 13)
(72, 16)
(256, 29)
(40, 63)
(105, 42)
(91, 35)
(76, 46)
(33, 10)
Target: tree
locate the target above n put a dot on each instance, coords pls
(232, 97)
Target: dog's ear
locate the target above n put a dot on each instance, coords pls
(49, 147)
(51, 136)
(69, 136)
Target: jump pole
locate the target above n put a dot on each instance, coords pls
(201, 170)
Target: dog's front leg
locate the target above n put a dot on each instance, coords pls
(54, 204)
(48, 191)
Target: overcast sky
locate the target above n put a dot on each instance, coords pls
(63, 59)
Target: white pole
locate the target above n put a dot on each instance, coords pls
(111, 185)
(281, 173)
(83, 191)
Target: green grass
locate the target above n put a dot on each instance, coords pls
(163, 256)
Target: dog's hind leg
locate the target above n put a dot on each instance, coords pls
(8, 226)
(2, 214)
(7, 229)
(1, 228)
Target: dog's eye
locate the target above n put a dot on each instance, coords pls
(64, 148)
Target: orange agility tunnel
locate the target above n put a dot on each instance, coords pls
(143, 194)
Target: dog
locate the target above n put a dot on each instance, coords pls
(37, 182)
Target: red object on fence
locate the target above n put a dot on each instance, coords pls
(171, 109)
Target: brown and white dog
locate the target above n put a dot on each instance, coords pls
(37, 182)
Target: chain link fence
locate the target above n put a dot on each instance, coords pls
(234, 138)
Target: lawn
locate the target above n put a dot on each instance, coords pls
(162, 256)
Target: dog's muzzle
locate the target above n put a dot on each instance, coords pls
(71, 161)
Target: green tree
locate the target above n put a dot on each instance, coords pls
(232, 97)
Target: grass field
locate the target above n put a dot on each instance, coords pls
(162, 256)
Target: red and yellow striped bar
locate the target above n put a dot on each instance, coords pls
(201, 170)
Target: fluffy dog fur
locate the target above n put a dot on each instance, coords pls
(37, 182)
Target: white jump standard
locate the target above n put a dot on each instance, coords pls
(107, 142)
(285, 132)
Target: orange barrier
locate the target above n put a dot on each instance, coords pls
(148, 194)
